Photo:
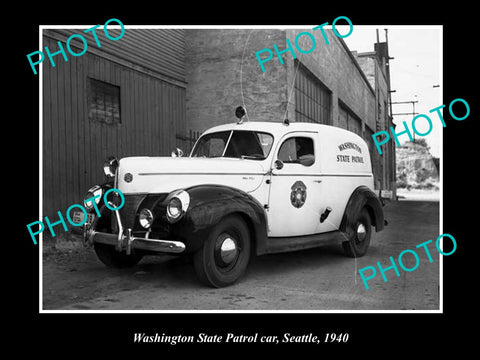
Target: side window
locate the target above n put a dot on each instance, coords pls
(297, 150)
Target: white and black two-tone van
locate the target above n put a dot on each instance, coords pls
(247, 188)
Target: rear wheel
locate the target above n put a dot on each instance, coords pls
(224, 256)
(112, 258)
(360, 239)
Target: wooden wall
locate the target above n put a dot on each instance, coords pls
(161, 51)
(74, 147)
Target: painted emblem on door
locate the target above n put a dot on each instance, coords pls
(298, 196)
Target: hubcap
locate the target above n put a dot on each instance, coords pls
(361, 232)
(226, 250)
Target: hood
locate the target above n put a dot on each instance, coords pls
(165, 174)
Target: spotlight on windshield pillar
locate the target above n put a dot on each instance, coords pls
(240, 113)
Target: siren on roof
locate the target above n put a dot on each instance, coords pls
(240, 112)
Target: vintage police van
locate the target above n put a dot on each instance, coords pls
(247, 188)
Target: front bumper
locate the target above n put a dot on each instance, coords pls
(125, 241)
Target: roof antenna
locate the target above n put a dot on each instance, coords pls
(240, 113)
(241, 77)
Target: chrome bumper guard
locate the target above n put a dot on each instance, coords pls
(128, 242)
(125, 241)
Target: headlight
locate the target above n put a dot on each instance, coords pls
(92, 192)
(177, 206)
(145, 217)
(110, 166)
(174, 208)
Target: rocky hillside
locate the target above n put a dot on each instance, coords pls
(416, 168)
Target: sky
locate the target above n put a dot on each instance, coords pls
(414, 71)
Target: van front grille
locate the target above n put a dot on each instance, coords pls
(129, 210)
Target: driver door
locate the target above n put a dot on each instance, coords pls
(295, 197)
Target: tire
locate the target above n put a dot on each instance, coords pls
(224, 256)
(108, 255)
(359, 241)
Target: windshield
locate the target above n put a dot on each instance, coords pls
(234, 144)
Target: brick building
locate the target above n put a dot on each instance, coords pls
(147, 93)
(330, 85)
(375, 66)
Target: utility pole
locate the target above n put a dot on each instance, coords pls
(406, 102)
(390, 91)
(410, 113)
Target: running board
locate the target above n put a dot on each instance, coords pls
(285, 244)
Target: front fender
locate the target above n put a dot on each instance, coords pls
(210, 203)
(362, 197)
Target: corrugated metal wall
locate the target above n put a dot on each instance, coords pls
(152, 112)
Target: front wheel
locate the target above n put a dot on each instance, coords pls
(224, 256)
(360, 239)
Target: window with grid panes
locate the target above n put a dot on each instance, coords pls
(103, 102)
(348, 120)
(312, 98)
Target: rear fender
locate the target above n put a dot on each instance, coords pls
(362, 197)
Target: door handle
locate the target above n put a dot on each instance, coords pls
(317, 181)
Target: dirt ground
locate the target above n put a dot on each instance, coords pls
(315, 279)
